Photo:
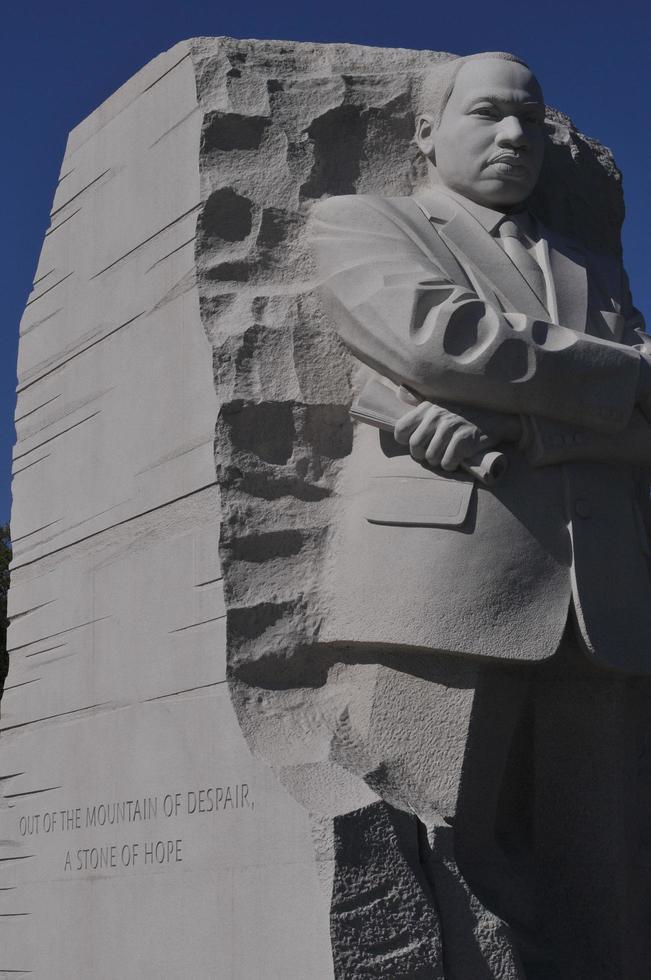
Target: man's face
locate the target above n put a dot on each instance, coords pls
(490, 141)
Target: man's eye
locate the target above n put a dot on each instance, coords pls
(486, 111)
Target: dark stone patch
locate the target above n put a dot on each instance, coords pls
(338, 137)
(579, 173)
(273, 227)
(226, 215)
(265, 430)
(327, 430)
(230, 272)
(276, 226)
(232, 131)
(266, 545)
(253, 621)
(303, 665)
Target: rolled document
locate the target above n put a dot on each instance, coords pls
(379, 405)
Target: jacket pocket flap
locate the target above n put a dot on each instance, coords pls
(420, 501)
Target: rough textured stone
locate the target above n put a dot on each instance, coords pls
(379, 893)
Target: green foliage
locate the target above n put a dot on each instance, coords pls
(5, 558)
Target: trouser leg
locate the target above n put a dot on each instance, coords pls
(585, 761)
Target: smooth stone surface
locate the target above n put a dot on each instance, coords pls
(140, 839)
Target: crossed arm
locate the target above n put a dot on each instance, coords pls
(480, 372)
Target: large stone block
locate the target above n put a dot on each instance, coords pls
(183, 429)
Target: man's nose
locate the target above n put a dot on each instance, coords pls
(511, 133)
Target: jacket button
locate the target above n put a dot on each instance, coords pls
(582, 507)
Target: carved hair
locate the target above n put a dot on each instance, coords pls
(438, 82)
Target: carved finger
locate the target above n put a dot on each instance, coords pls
(408, 422)
(433, 424)
(462, 445)
(438, 445)
(431, 421)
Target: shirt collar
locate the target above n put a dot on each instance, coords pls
(490, 219)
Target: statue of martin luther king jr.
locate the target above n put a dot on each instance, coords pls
(521, 606)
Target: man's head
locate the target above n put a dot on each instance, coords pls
(481, 127)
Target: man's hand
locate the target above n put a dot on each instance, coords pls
(446, 436)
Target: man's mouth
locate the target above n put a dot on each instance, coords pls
(508, 163)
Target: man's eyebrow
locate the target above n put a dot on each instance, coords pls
(502, 99)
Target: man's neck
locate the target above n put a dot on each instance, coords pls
(489, 217)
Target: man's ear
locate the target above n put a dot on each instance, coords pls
(424, 136)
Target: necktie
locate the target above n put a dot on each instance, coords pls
(513, 244)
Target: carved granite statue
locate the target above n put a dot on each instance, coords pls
(531, 596)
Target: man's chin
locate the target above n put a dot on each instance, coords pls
(507, 193)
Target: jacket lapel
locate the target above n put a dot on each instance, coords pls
(570, 279)
(489, 261)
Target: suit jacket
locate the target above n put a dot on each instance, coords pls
(425, 296)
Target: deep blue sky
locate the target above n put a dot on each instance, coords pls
(62, 59)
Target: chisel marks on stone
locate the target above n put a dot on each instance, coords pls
(54, 228)
(146, 241)
(20, 418)
(50, 636)
(89, 710)
(49, 289)
(83, 189)
(27, 466)
(29, 792)
(175, 65)
(203, 622)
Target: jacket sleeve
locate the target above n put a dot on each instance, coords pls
(552, 442)
(397, 311)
